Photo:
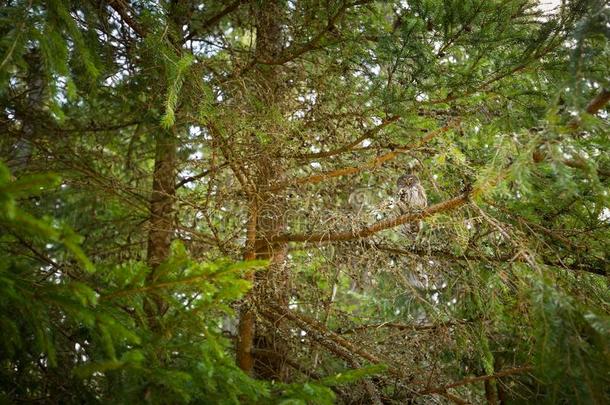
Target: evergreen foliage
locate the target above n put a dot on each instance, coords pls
(197, 201)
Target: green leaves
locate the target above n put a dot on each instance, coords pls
(59, 12)
(176, 70)
(280, 139)
(12, 216)
(319, 392)
(572, 345)
(49, 309)
(215, 283)
(350, 376)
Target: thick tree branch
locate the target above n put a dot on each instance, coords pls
(367, 231)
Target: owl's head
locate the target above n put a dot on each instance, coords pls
(407, 180)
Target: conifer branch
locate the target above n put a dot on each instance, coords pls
(473, 380)
(292, 54)
(346, 148)
(375, 163)
(370, 230)
(213, 20)
(123, 10)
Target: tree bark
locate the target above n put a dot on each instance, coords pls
(161, 220)
(490, 392)
(261, 352)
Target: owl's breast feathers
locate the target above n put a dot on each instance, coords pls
(412, 198)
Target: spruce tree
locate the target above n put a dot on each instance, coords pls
(199, 201)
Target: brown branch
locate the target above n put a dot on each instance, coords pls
(378, 161)
(213, 20)
(366, 231)
(122, 9)
(350, 145)
(472, 380)
(454, 398)
(330, 339)
(580, 164)
(238, 170)
(598, 102)
(190, 179)
(592, 108)
(201, 175)
(311, 45)
(482, 86)
(401, 326)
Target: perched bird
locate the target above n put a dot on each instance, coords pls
(410, 198)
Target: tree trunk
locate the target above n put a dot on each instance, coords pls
(490, 392)
(261, 352)
(161, 220)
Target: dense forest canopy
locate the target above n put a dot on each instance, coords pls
(208, 201)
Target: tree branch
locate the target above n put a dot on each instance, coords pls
(508, 257)
(201, 175)
(592, 108)
(472, 380)
(312, 44)
(122, 9)
(378, 161)
(378, 226)
(598, 102)
(334, 342)
(401, 326)
(351, 145)
(213, 20)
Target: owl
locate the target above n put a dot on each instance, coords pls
(410, 198)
